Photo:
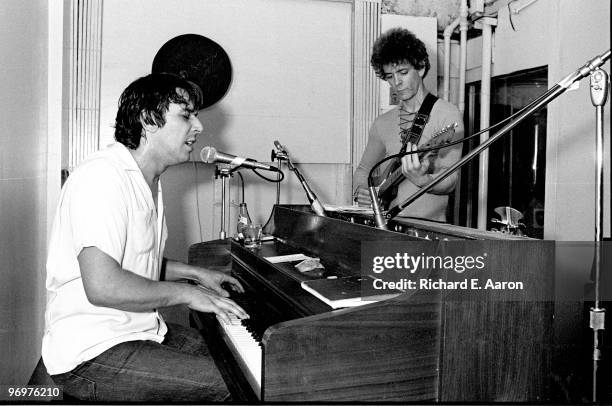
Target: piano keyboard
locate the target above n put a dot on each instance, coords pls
(247, 347)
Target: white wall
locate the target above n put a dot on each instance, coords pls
(562, 34)
(23, 174)
(291, 61)
(291, 82)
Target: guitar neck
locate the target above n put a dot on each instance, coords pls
(394, 176)
(390, 181)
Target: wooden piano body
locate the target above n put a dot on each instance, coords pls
(416, 347)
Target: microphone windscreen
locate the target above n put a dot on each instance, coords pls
(208, 155)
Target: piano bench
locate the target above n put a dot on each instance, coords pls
(41, 377)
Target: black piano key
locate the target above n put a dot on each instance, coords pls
(258, 320)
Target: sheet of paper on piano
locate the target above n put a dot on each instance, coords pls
(349, 209)
(286, 258)
(342, 292)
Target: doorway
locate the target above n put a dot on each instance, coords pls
(517, 161)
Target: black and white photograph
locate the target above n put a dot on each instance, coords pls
(305, 202)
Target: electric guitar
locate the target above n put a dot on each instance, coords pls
(389, 181)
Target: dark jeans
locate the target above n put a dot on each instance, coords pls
(180, 369)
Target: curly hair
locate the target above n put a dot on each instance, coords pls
(398, 45)
(146, 100)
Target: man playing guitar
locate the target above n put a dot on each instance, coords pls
(400, 58)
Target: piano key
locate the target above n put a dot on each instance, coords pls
(247, 347)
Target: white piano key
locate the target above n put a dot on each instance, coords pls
(246, 346)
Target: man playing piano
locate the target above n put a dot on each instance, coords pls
(106, 275)
(400, 59)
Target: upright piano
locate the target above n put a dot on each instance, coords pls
(415, 347)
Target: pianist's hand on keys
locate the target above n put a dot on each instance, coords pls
(209, 296)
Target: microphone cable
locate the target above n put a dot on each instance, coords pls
(242, 185)
(278, 180)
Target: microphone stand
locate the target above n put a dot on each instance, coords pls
(599, 94)
(526, 111)
(278, 178)
(315, 204)
(223, 173)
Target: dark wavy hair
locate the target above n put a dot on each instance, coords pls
(398, 45)
(146, 100)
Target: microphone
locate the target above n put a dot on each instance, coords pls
(210, 155)
(281, 154)
(315, 204)
(280, 147)
(378, 216)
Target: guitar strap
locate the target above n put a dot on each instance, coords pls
(419, 123)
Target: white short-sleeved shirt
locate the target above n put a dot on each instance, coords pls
(106, 203)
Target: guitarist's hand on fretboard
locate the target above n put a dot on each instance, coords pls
(416, 169)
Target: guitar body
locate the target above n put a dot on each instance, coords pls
(389, 181)
(390, 193)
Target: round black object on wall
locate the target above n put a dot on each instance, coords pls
(199, 59)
